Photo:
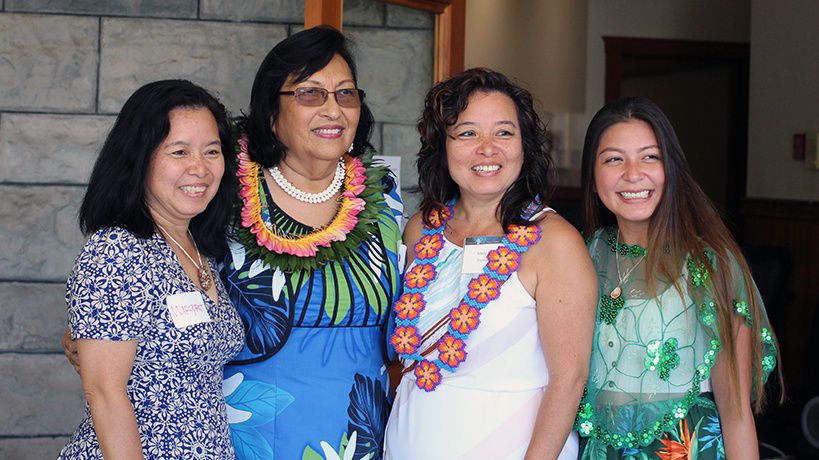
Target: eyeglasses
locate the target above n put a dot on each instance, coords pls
(316, 97)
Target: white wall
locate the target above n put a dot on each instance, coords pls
(540, 43)
(784, 97)
(784, 71)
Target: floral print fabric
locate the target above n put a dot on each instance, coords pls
(310, 382)
(117, 291)
(696, 436)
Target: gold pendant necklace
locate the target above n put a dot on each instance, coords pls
(205, 279)
(611, 304)
(617, 291)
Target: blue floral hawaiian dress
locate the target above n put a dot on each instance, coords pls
(310, 382)
(117, 291)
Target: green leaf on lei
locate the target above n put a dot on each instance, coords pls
(374, 203)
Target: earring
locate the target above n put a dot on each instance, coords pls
(350, 150)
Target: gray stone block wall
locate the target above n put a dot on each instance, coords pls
(31, 319)
(49, 148)
(153, 8)
(67, 68)
(28, 448)
(222, 57)
(49, 63)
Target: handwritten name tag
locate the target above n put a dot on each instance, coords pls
(475, 252)
(187, 309)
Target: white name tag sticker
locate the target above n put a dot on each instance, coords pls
(187, 309)
(475, 252)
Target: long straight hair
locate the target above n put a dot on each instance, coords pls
(685, 224)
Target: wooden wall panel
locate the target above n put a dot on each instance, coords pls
(795, 226)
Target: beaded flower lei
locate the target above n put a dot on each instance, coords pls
(358, 208)
(465, 317)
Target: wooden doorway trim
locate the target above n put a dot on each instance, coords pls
(450, 27)
(619, 47)
(735, 55)
(323, 12)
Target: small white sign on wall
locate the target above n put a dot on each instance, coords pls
(394, 163)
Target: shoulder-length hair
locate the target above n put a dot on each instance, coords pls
(685, 224)
(443, 105)
(116, 189)
(294, 59)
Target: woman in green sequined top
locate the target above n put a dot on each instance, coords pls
(682, 346)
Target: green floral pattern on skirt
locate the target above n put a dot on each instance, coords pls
(698, 436)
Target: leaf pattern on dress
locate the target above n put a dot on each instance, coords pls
(263, 400)
(249, 444)
(267, 320)
(368, 412)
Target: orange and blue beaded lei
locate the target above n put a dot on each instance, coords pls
(465, 317)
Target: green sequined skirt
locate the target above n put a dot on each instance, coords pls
(697, 436)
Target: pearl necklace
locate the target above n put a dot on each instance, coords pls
(307, 197)
(205, 280)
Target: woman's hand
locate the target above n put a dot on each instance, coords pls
(70, 350)
(564, 283)
(105, 368)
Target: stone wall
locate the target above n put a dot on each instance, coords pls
(67, 68)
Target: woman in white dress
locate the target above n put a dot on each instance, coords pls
(494, 326)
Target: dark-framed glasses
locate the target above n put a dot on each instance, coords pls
(316, 97)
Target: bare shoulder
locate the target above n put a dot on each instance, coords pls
(558, 236)
(414, 229)
(559, 258)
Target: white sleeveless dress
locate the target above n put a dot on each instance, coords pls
(487, 408)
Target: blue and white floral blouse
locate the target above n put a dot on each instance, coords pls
(118, 291)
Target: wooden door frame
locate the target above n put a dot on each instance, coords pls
(450, 27)
(736, 56)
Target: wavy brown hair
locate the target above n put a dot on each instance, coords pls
(685, 224)
(444, 103)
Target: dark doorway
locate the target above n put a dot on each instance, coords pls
(703, 88)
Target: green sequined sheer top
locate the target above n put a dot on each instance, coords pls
(651, 356)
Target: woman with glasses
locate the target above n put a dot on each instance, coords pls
(313, 262)
(313, 265)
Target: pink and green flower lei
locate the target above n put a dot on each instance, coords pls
(360, 203)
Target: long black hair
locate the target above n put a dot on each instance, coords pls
(444, 103)
(295, 58)
(116, 189)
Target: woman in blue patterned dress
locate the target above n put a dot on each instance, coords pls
(313, 265)
(682, 345)
(153, 328)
